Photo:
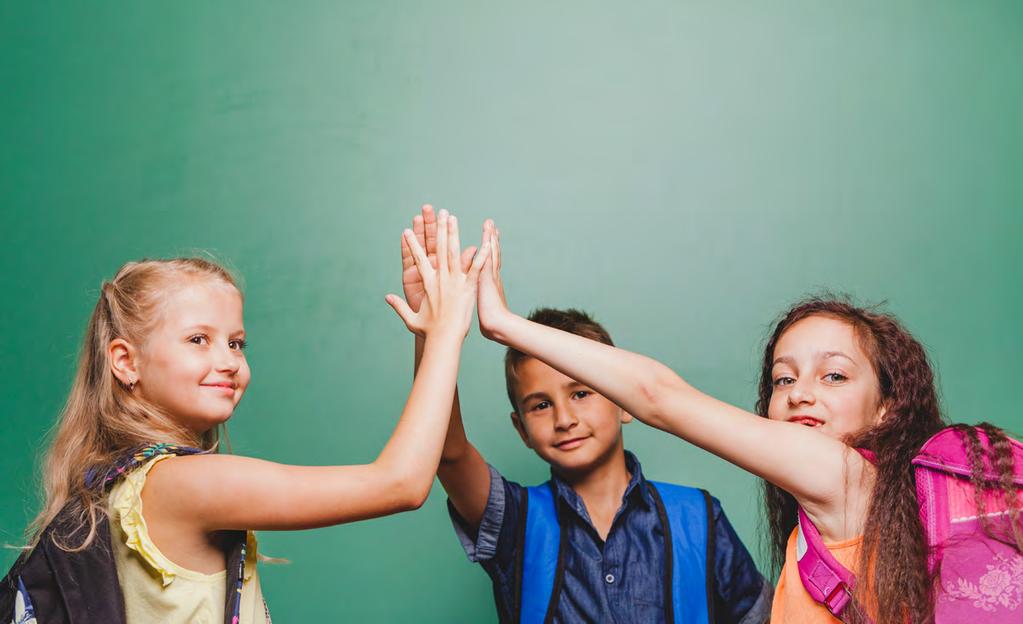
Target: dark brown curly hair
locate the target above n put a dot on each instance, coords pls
(899, 582)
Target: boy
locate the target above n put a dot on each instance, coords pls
(598, 542)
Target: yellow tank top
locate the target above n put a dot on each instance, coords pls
(792, 603)
(155, 588)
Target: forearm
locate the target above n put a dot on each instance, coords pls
(635, 382)
(414, 449)
(455, 442)
(776, 451)
(462, 470)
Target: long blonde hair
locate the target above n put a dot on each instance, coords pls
(103, 419)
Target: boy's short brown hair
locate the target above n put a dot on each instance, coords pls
(571, 320)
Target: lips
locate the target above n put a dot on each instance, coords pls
(224, 387)
(806, 421)
(569, 444)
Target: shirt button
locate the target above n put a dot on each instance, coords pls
(610, 578)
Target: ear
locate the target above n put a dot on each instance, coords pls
(882, 413)
(517, 422)
(123, 358)
(624, 416)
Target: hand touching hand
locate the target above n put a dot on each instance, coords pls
(446, 293)
(424, 227)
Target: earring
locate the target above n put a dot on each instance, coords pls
(131, 385)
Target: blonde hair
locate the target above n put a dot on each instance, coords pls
(102, 419)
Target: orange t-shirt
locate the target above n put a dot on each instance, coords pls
(792, 603)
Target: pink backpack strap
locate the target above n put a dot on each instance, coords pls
(826, 580)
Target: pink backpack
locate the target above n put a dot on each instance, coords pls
(980, 577)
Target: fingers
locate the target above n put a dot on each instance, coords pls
(442, 240)
(406, 254)
(404, 311)
(419, 256)
(487, 243)
(430, 229)
(497, 249)
(489, 236)
(454, 244)
(478, 262)
(419, 229)
(467, 255)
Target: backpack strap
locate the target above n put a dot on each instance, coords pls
(236, 550)
(542, 552)
(826, 580)
(687, 518)
(107, 475)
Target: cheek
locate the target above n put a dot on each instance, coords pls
(243, 377)
(776, 407)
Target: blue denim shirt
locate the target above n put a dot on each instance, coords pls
(633, 556)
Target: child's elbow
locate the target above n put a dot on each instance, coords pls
(412, 500)
(411, 493)
(657, 393)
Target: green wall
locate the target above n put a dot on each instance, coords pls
(681, 169)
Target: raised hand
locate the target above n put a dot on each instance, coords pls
(491, 305)
(444, 293)
(424, 227)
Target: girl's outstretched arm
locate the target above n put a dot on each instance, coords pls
(462, 471)
(212, 492)
(828, 478)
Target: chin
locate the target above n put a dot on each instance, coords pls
(576, 463)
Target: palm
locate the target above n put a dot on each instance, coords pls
(412, 283)
(424, 226)
(439, 293)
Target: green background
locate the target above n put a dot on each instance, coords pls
(682, 170)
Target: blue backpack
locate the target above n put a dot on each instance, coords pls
(687, 519)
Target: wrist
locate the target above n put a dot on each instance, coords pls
(500, 326)
(442, 335)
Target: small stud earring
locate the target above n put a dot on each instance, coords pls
(131, 385)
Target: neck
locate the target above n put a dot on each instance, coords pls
(602, 486)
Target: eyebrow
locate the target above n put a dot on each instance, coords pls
(533, 395)
(210, 328)
(537, 395)
(785, 359)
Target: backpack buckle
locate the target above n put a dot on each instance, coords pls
(837, 600)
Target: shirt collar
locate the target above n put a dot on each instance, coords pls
(635, 490)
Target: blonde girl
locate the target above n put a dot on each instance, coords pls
(163, 361)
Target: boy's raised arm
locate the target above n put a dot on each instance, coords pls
(462, 470)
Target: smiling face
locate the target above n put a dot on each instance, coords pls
(822, 378)
(192, 364)
(567, 424)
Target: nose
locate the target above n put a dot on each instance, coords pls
(226, 360)
(564, 418)
(801, 394)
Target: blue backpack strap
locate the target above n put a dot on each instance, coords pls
(107, 475)
(542, 556)
(687, 516)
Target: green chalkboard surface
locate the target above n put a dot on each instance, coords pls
(682, 170)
